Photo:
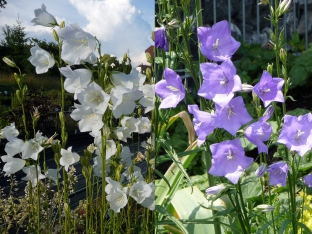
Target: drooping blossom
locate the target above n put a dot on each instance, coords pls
(260, 131)
(229, 160)
(161, 39)
(139, 191)
(278, 173)
(216, 43)
(44, 18)
(308, 180)
(220, 82)
(31, 174)
(296, 133)
(215, 189)
(76, 80)
(68, 157)
(116, 195)
(40, 59)
(31, 149)
(77, 45)
(144, 125)
(12, 164)
(149, 202)
(269, 89)
(93, 96)
(232, 116)
(203, 123)
(170, 90)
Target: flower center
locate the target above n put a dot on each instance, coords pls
(298, 136)
(96, 97)
(119, 200)
(230, 111)
(172, 88)
(265, 90)
(215, 45)
(230, 155)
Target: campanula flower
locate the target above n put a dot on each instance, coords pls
(171, 90)
(68, 157)
(260, 171)
(203, 123)
(215, 189)
(232, 116)
(12, 164)
(229, 160)
(44, 18)
(269, 89)
(220, 82)
(31, 174)
(40, 59)
(278, 173)
(161, 39)
(296, 133)
(308, 180)
(216, 43)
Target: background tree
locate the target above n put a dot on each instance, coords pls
(2, 3)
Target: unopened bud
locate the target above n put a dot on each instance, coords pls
(260, 171)
(36, 114)
(91, 148)
(264, 208)
(149, 58)
(283, 55)
(62, 24)
(284, 6)
(125, 57)
(9, 62)
(246, 88)
(215, 189)
(264, 2)
(56, 37)
(270, 68)
(148, 74)
(174, 24)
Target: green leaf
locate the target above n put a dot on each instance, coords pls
(308, 231)
(247, 145)
(284, 226)
(297, 112)
(163, 211)
(251, 187)
(298, 76)
(159, 60)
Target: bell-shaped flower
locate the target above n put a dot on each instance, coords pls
(260, 171)
(139, 191)
(116, 195)
(77, 45)
(278, 173)
(215, 189)
(93, 96)
(76, 80)
(203, 123)
(161, 39)
(148, 98)
(88, 119)
(126, 156)
(170, 90)
(123, 99)
(33, 174)
(119, 78)
(40, 59)
(232, 116)
(220, 82)
(308, 180)
(44, 18)
(110, 149)
(9, 132)
(31, 149)
(122, 133)
(216, 43)
(14, 146)
(144, 125)
(229, 160)
(12, 165)
(68, 157)
(149, 202)
(269, 89)
(296, 133)
(131, 123)
(97, 166)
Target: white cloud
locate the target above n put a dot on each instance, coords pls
(118, 25)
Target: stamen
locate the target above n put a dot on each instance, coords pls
(172, 88)
(230, 155)
(265, 90)
(298, 136)
(215, 45)
(230, 111)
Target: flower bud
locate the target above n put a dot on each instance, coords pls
(91, 148)
(246, 88)
(174, 24)
(62, 24)
(270, 68)
(264, 2)
(149, 58)
(148, 74)
(9, 62)
(54, 33)
(284, 6)
(215, 189)
(264, 208)
(260, 171)
(283, 55)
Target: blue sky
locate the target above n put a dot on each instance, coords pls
(120, 25)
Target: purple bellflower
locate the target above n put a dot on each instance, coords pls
(278, 173)
(296, 133)
(203, 123)
(308, 180)
(229, 160)
(269, 89)
(260, 171)
(260, 131)
(171, 90)
(220, 82)
(161, 39)
(217, 44)
(232, 116)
